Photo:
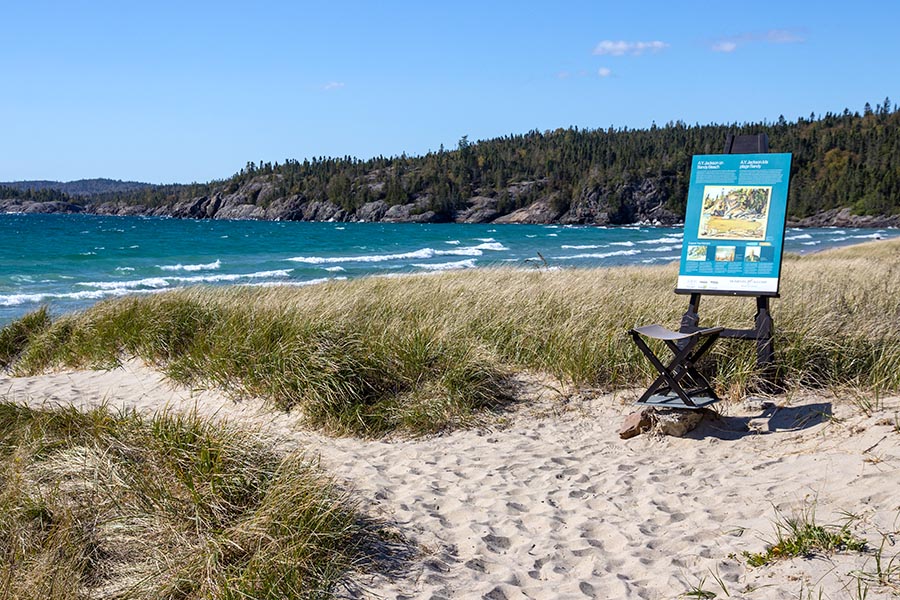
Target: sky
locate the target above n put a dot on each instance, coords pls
(176, 92)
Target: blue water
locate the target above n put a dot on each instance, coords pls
(68, 262)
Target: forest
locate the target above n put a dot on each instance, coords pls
(840, 160)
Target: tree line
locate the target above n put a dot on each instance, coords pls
(843, 159)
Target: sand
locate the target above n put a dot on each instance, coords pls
(548, 502)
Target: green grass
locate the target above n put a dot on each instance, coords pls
(96, 504)
(800, 536)
(422, 354)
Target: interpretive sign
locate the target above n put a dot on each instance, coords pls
(734, 224)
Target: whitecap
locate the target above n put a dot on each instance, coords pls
(802, 236)
(486, 239)
(320, 260)
(18, 299)
(469, 263)
(124, 268)
(584, 246)
(552, 235)
(662, 240)
(491, 245)
(423, 253)
(662, 249)
(334, 269)
(453, 242)
(232, 276)
(149, 282)
(316, 281)
(627, 244)
(600, 254)
(200, 267)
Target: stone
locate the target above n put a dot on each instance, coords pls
(676, 422)
(756, 403)
(636, 423)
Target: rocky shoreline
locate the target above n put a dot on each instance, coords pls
(637, 204)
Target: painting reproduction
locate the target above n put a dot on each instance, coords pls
(734, 212)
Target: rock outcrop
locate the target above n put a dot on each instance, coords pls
(15, 205)
(635, 201)
(842, 217)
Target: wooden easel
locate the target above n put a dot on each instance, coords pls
(763, 329)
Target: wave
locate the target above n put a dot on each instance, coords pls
(164, 282)
(469, 263)
(316, 281)
(149, 282)
(334, 269)
(202, 267)
(871, 236)
(600, 254)
(662, 240)
(627, 244)
(424, 253)
(232, 276)
(19, 299)
(802, 236)
(584, 246)
(663, 249)
(453, 242)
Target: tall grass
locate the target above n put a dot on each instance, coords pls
(423, 353)
(110, 505)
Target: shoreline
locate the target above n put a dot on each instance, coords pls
(836, 217)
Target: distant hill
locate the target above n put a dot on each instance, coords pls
(82, 187)
(845, 172)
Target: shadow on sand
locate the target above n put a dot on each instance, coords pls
(771, 419)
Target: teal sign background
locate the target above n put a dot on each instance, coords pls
(734, 224)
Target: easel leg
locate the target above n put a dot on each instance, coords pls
(765, 345)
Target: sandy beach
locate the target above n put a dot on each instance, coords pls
(547, 502)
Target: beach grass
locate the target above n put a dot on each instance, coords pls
(799, 535)
(426, 353)
(99, 504)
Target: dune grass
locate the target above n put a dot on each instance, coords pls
(102, 505)
(424, 353)
(800, 535)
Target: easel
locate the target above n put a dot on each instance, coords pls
(763, 329)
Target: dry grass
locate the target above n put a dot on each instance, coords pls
(429, 352)
(100, 505)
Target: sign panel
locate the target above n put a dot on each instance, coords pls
(734, 224)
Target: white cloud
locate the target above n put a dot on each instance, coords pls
(724, 46)
(604, 72)
(621, 47)
(773, 36)
(333, 85)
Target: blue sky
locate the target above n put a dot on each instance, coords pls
(191, 91)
